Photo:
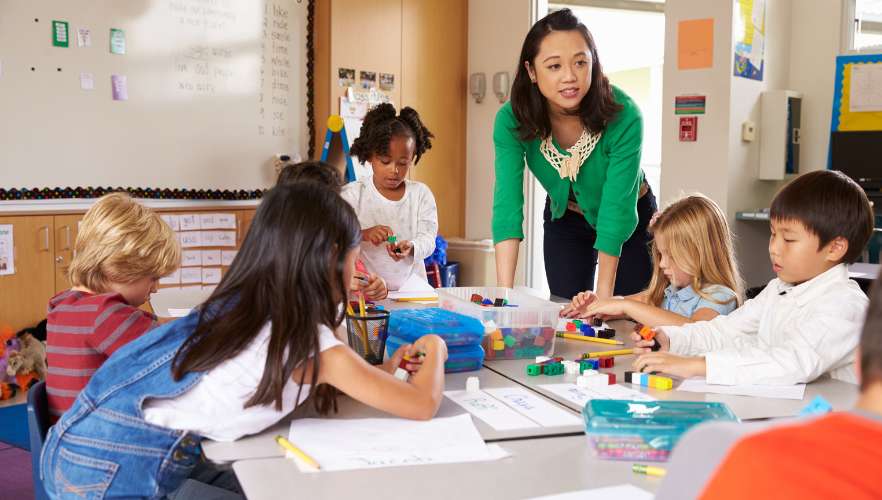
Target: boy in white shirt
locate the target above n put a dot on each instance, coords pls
(387, 203)
(805, 323)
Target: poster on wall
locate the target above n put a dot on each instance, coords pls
(7, 257)
(749, 30)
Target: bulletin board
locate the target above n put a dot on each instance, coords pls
(857, 94)
(188, 94)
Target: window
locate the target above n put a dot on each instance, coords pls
(862, 29)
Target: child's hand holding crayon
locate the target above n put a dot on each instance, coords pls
(372, 286)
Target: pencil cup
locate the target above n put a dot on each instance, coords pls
(367, 334)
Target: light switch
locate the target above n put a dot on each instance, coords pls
(748, 131)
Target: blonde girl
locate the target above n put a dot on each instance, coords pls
(695, 276)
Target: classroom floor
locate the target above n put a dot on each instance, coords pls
(16, 482)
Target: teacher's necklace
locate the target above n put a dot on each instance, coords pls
(568, 166)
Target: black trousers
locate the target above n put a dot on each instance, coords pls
(570, 257)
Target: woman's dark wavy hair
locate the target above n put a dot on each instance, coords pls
(289, 272)
(530, 107)
(381, 125)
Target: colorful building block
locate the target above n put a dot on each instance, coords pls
(606, 333)
(473, 384)
(487, 302)
(539, 341)
(612, 378)
(597, 322)
(571, 327)
(552, 369)
(533, 370)
(496, 335)
(652, 381)
(498, 345)
(499, 303)
(577, 322)
(571, 367)
(587, 330)
(510, 341)
(476, 298)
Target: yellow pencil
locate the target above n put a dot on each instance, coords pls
(361, 306)
(360, 329)
(649, 470)
(573, 336)
(288, 445)
(416, 299)
(603, 354)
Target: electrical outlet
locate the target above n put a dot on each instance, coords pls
(748, 131)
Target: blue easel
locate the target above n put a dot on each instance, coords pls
(335, 125)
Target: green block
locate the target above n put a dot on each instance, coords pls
(534, 370)
(510, 341)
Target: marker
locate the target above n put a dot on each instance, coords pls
(603, 354)
(284, 443)
(583, 338)
(649, 470)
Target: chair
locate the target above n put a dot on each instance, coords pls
(38, 425)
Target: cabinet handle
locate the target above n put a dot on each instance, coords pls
(45, 238)
(67, 237)
(59, 259)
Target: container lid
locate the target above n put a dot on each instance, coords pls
(457, 353)
(613, 416)
(456, 329)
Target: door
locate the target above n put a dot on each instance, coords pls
(66, 229)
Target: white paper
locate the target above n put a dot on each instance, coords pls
(178, 313)
(218, 221)
(227, 257)
(755, 56)
(190, 222)
(581, 395)
(191, 275)
(191, 239)
(211, 258)
(84, 37)
(191, 258)
(349, 444)
(7, 250)
(866, 88)
(173, 221)
(534, 407)
(225, 238)
(211, 275)
(759, 391)
(87, 81)
(493, 412)
(172, 279)
(413, 287)
(620, 492)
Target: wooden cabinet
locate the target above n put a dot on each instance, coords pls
(66, 229)
(43, 249)
(24, 295)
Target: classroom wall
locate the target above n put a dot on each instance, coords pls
(401, 37)
(496, 30)
(802, 41)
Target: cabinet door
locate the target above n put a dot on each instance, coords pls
(25, 294)
(243, 222)
(66, 227)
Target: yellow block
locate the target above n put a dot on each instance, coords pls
(498, 345)
(496, 335)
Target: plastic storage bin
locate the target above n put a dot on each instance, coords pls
(644, 430)
(523, 329)
(464, 358)
(456, 329)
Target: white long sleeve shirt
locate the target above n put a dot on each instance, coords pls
(413, 218)
(786, 335)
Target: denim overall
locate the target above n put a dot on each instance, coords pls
(102, 447)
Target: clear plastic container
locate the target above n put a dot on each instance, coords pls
(456, 329)
(464, 358)
(645, 430)
(520, 330)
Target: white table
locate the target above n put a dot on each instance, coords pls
(840, 395)
(263, 445)
(536, 467)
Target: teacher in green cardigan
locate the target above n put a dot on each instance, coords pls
(581, 137)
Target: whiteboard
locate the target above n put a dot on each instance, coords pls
(215, 89)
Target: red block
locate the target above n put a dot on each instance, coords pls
(612, 378)
(571, 327)
(539, 341)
